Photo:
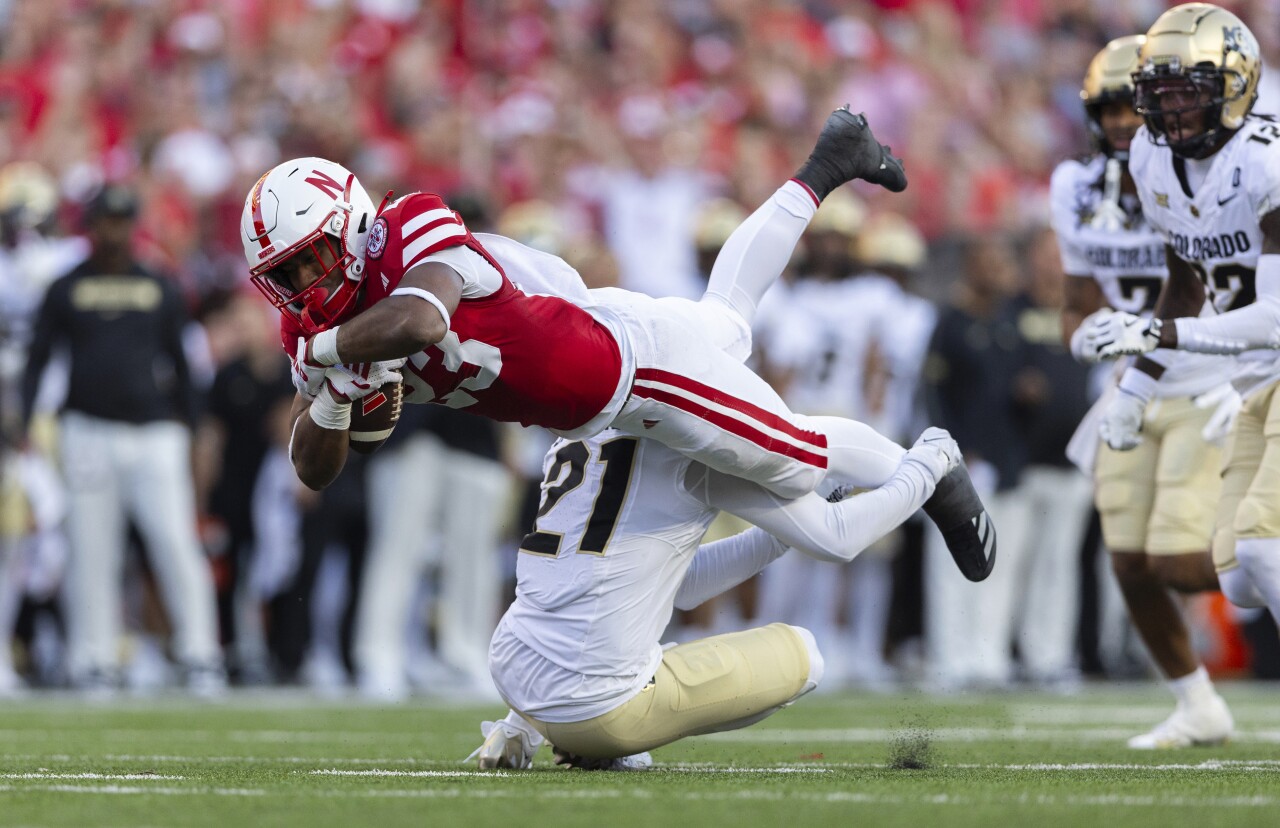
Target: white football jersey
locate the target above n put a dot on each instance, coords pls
(1214, 227)
(1128, 264)
(832, 328)
(906, 325)
(598, 575)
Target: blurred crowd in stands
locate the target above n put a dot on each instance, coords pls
(629, 137)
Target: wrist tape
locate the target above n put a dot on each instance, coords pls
(324, 347)
(1138, 383)
(327, 412)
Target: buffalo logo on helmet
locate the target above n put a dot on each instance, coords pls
(377, 239)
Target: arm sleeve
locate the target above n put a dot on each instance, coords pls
(1254, 326)
(825, 531)
(724, 564)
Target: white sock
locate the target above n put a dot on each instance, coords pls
(856, 452)
(817, 665)
(759, 249)
(1193, 688)
(1260, 557)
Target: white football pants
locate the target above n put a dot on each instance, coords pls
(115, 471)
(693, 393)
(1047, 583)
(969, 627)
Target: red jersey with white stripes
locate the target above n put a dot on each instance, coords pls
(533, 360)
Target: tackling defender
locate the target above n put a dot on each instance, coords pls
(493, 327)
(1209, 180)
(1155, 492)
(577, 656)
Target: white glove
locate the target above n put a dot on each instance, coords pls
(348, 383)
(1083, 347)
(307, 376)
(1121, 425)
(937, 451)
(1226, 403)
(1119, 334)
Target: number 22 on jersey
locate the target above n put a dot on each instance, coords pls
(569, 507)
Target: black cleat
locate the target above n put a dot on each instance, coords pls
(968, 531)
(846, 150)
(635, 762)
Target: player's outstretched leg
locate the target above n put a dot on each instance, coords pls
(960, 516)
(847, 150)
(756, 253)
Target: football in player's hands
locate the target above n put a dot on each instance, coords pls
(374, 417)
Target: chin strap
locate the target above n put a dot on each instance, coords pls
(311, 310)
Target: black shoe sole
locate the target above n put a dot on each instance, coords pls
(966, 528)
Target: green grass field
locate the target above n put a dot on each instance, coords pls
(286, 759)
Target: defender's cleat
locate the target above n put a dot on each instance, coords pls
(635, 762)
(846, 150)
(1208, 723)
(504, 747)
(967, 529)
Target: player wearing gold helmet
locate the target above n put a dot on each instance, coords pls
(1208, 174)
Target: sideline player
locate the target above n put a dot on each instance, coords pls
(1156, 492)
(493, 327)
(577, 655)
(1209, 180)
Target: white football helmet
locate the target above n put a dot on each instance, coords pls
(307, 205)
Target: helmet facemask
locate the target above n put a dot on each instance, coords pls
(1183, 109)
(319, 304)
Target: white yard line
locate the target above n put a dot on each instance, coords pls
(383, 772)
(526, 794)
(286, 736)
(1012, 733)
(817, 766)
(131, 789)
(118, 776)
(780, 769)
(168, 757)
(1268, 765)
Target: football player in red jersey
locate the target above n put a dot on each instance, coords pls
(482, 323)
